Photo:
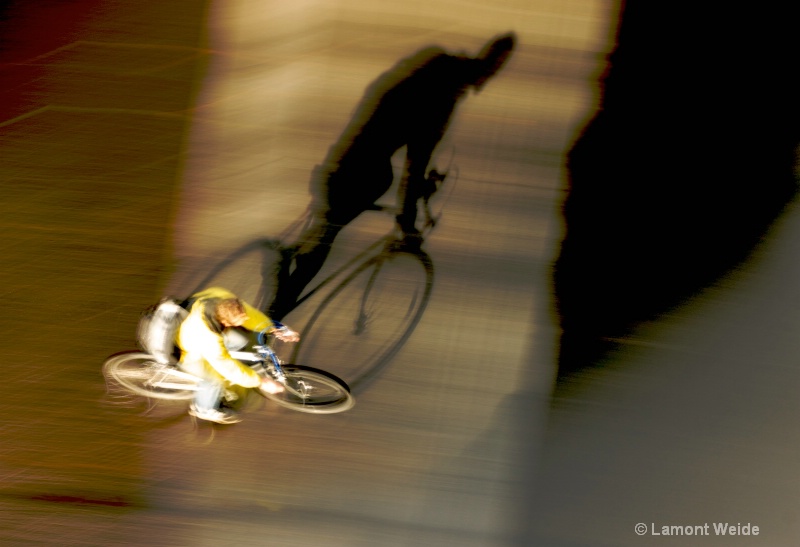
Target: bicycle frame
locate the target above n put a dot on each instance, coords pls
(161, 379)
(261, 354)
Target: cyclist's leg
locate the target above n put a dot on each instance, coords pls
(407, 217)
(414, 186)
(208, 398)
(342, 195)
(433, 182)
(301, 262)
(209, 395)
(208, 406)
(302, 257)
(357, 183)
(417, 190)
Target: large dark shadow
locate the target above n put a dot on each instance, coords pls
(678, 176)
(409, 106)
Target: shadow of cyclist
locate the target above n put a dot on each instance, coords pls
(410, 105)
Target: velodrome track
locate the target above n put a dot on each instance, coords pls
(143, 142)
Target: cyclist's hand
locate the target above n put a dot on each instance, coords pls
(285, 334)
(269, 385)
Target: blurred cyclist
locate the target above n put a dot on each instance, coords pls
(205, 337)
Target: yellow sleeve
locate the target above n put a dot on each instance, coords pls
(216, 354)
(256, 320)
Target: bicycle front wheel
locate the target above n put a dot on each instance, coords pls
(313, 391)
(368, 317)
(139, 373)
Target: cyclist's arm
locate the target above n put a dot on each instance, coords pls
(259, 322)
(256, 320)
(197, 339)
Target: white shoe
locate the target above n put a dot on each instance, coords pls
(225, 416)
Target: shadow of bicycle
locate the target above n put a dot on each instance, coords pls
(354, 320)
(249, 272)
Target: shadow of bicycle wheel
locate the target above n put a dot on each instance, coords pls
(250, 273)
(366, 319)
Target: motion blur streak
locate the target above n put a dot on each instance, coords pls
(156, 138)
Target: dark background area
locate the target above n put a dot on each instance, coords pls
(677, 177)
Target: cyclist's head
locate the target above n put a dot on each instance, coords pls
(492, 58)
(231, 312)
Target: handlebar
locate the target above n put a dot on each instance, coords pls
(262, 335)
(277, 326)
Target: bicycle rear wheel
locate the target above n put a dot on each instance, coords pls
(139, 373)
(313, 391)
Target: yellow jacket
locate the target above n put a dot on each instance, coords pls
(200, 339)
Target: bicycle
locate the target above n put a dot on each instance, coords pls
(305, 389)
(375, 301)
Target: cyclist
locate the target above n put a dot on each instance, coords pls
(212, 328)
(408, 106)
